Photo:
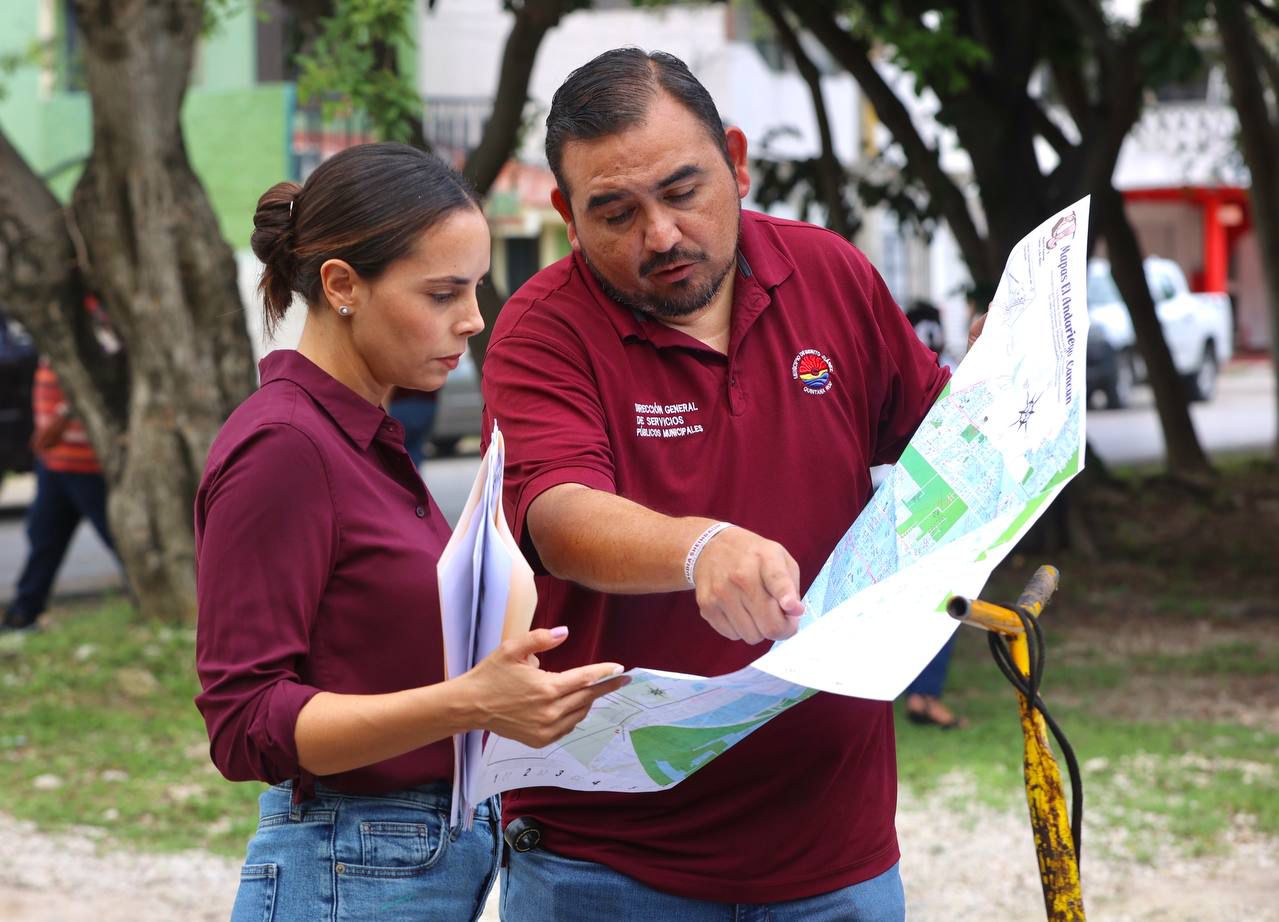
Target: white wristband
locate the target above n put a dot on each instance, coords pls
(696, 550)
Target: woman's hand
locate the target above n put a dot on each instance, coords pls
(516, 699)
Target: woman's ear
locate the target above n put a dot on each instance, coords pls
(340, 285)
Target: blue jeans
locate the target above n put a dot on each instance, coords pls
(61, 501)
(540, 886)
(932, 681)
(417, 416)
(389, 858)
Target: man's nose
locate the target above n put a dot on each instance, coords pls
(662, 232)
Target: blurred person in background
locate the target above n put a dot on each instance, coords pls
(923, 696)
(69, 488)
(416, 412)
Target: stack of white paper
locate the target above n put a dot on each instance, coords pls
(487, 595)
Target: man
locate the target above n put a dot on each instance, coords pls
(69, 487)
(691, 364)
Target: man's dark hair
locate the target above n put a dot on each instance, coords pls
(613, 92)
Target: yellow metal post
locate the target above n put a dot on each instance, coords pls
(1049, 819)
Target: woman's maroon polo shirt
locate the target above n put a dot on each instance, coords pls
(316, 546)
(823, 377)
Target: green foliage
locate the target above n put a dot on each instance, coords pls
(780, 180)
(36, 54)
(931, 47)
(1172, 52)
(351, 67)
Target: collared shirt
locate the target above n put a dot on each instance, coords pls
(823, 377)
(316, 547)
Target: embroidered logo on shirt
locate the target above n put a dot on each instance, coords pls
(665, 420)
(813, 370)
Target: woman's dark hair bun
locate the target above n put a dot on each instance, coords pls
(273, 244)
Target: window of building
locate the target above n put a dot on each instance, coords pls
(894, 258)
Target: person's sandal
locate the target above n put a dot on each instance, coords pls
(929, 715)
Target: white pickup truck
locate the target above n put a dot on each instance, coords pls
(1197, 326)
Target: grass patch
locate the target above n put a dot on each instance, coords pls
(1185, 779)
(1239, 657)
(99, 730)
(1161, 667)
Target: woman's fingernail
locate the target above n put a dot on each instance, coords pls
(559, 631)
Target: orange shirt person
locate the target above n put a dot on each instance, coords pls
(69, 488)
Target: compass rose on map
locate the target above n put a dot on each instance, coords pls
(1026, 412)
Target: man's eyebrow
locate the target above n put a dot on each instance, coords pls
(682, 173)
(604, 198)
(607, 198)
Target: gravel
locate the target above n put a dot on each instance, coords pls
(960, 862)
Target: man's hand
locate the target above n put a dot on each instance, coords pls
(748, 587)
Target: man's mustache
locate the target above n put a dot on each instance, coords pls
(670, 258)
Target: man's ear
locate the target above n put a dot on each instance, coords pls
(560, 204)
(735, 139)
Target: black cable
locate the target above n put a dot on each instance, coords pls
(1028, 686)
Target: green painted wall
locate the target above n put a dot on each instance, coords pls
(227, 57)
(237, 132)
(20, 90)
(239, 145)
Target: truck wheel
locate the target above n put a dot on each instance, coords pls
(1119, 388)
(1202, 384)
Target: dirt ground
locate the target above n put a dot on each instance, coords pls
(958, 866)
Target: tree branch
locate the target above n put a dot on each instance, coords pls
(1265, 10)
(42, 287)
(533, 20)
(853, 55)
(830, 170)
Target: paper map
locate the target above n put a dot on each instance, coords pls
(1000, 443)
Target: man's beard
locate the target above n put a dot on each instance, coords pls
(680, 304)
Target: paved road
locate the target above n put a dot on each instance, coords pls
(1242, 417)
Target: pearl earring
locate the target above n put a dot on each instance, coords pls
(344, 311)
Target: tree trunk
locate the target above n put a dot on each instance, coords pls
(42, 287)
(1245, 59)
(141, 234)
(533, 19)
(1185, 455)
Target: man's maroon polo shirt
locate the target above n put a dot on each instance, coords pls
(823, 378)
(316, 546)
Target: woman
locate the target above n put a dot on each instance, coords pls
(319, 639)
